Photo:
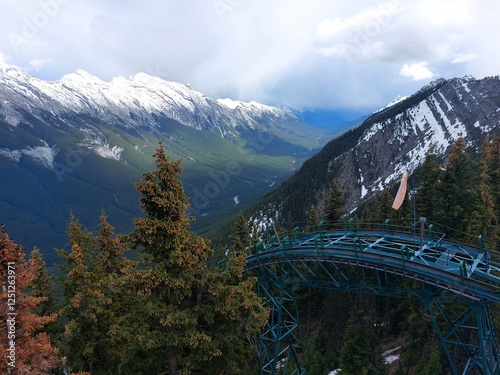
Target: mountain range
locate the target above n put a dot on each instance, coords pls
(79, 143)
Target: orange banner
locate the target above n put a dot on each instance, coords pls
(400, 196)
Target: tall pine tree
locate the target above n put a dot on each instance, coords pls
(312, 219)
(196, 319)
(333, 207)
(24, 351)
(97, 299)
(486, 218)
(426, 200)
(458, 198)
(241, 233)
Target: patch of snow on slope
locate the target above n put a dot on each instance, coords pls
(108, 152)
(229, 103)
(44, 155)
(397, 100)
(484, 128)
(364, 191)
(454, 129)
(390, 356)
(372, 131)
(14, 155)
(448, 105)
(425, 120)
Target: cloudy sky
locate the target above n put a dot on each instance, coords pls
(329, 54)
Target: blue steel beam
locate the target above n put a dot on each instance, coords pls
(447, 272)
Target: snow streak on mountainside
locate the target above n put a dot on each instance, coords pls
(140, 101)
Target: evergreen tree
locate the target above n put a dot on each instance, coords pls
(97, 303)
(426, 199)
(494, 171)
(333, 208)
(195, 317)
(255, 235)
(458, 200)
(319, 360)
(241, 234)
(86, 243)
(386, 210)
(43, 286)
(33, 352)
(430, 366)
(359, 354)
(312, 219)
(486, 218)
(370, 212)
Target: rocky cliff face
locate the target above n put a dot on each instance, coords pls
(400, 136)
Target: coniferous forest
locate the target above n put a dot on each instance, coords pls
(174, 311)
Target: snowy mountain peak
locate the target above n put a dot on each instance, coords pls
(229, 103)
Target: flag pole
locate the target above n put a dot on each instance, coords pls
(414, 210)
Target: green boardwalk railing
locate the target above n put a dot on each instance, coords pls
(335, 257)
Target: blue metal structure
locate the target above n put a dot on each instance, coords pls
(445, 274)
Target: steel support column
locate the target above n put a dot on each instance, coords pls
(468, 327)
(280, 343)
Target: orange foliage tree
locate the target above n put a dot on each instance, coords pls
(23, 351)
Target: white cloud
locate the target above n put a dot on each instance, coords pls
(357, 34)
(37, 64)
(417, 71)
(461, 58)
(335, 53)
(369, 21)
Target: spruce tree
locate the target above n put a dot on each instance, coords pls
(19, 324)
(312, 219)
(43, 285)
(359, 353)
(486, 218)
(458, 199)
(386, 210)
(370, 212)
(426, 199)
(195, 318)
(494, 171)
(333, 207)
(241, 233)
(97, 299)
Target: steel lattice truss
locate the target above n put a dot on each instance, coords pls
(445, 273)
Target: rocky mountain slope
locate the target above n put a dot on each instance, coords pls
(377, 152)
(78, 144)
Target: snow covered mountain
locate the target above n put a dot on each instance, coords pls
(141, 101)
(78, 144)
(396, 138)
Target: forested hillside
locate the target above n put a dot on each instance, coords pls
(178, 313)
(171, 312)
(354, 332)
